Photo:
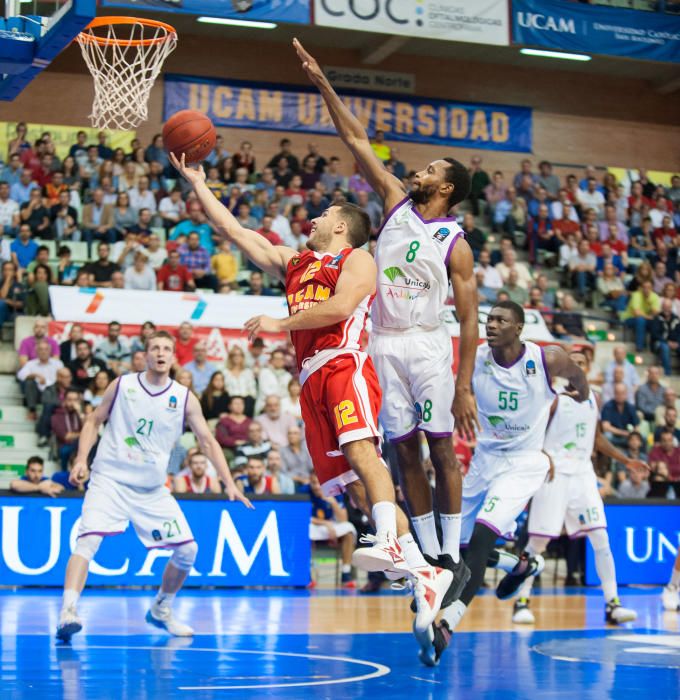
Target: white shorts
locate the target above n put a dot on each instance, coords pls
(497, 489)
(415, 371)
(572, 500)
(109, 507)
(319, 533)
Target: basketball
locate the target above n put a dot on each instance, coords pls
(189, 132)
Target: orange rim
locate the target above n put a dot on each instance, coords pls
(113, 20)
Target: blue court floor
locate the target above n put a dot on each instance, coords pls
(325, 645)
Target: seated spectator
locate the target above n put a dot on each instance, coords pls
(611, 228)
(295, 458)
(567, 223)
(659, 277)
(275, 423)
(473, 235)
(592, 198)
(582, 269)
(37, 300)
(24, 249)
(267, 232)
(113, 351)
(196, 259)
(568, 249)
(36, 375)
(643, 305)
(641, 244)
(196, 223)
(124, 216)
(140, 276)
(273, 379)
(94, 394)
(21, 191)
(64, 219)
(67, 422)
(510, 214)
(610, 286)
(494, 193)
(290, 404)
(124, 251)
(509, 261)
(143, 226)
(172, 209)
(491, 276)
(330, 523)
(67, 349)
(67, 270)
(568, 323)
(138, 362)
(102, 269)
(665, 456)
(28, 346)
(256, 445)
(636, 485)
(667, 233)
(630, 375)
(117, 280)
(256, 481)
(201, 370)
(185, 342)
(664, 335)
(239, 379)
(138, 342)
(141, 197)
(215, 400)
(9, 210)
(155, 253)
(35, 481)
(274, 465)
(256, 286)
(98, 223)
(619, 417)
(185, 378)
(608, 387)
(541, 234)
(514, 291)
(225, 264)
(232, 429)
(36, 215)
(650, 394)
(635, 452)
(85, 367)
(198, 480)
(174, 277)
(666, 255)
(670, 422)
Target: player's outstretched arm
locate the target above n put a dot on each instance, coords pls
(90, 432)
(606, 448)
(211, 449)
(269, 258)
(356, 281)
(464, 285)
(561, 365)
(353, 134)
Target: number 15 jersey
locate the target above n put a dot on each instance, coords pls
(513, 402)
(144, 424)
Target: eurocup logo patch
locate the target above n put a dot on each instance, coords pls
(333, 264)
(172, 402)
(441, 234)
(530, 368)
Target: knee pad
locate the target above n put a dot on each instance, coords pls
(184, 556)
(87, 546)
(599, 539)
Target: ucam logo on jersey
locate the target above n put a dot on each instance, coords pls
(267, 546)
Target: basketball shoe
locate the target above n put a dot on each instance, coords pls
(69, 624)
(670, 598)
(461, 575)
(161, 616)
(385, 554)
(433, 641)
(429, 585)
(528, 565)
(521, 615)
(616, 614)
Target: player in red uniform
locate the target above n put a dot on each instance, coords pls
(329, 289)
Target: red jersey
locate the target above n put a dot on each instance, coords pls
(191, 487)
(311, 278)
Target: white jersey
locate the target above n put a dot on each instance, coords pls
(412, 256)
(513, 402)
(570, 437)
(144, 424)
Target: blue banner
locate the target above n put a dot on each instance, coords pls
(292, 108)
(649, 36)
(644, 539)
(288, 11)
(268, 546)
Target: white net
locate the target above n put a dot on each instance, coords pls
(124, 69)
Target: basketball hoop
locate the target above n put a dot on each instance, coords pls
(124, 68)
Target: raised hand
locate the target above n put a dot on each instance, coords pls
(309, 63)
(191, 175)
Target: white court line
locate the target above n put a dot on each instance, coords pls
(380, 669)
(427, 680)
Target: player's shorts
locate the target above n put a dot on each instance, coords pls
(340, 403)
(109, 507)
(319, 533)
(572, 500)
(416, 376)
(497, 489)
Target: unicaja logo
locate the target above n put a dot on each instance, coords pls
(546, 23)
(645, 544)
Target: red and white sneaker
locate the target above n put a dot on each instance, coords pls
(384, 554)
(429, 584)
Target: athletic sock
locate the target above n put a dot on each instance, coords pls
(451, 523)
(412, 554)
(524, 591)
(454, 614)
(164, 599)
(504, 560)
(70, 599)
(675, 578)
(426, 529)
(604, 563)
(346, 568)
(385, 518)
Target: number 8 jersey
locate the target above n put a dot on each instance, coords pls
(513, 402)
(143, 426)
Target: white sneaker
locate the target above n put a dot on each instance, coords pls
(616, 614)
(670, 598)
(430, 585)
(385, 554)
(161, 616)
(69, 624)
(521, 615)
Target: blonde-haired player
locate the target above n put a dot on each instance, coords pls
(144, 415)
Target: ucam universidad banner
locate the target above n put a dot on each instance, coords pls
(294, 108)
(649, 36)
(644, 537)
(288, 11)
(267, 546)
(452, 20)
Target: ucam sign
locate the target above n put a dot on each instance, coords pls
(536, 20)
(268, 546)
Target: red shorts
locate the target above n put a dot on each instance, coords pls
(340, 403)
